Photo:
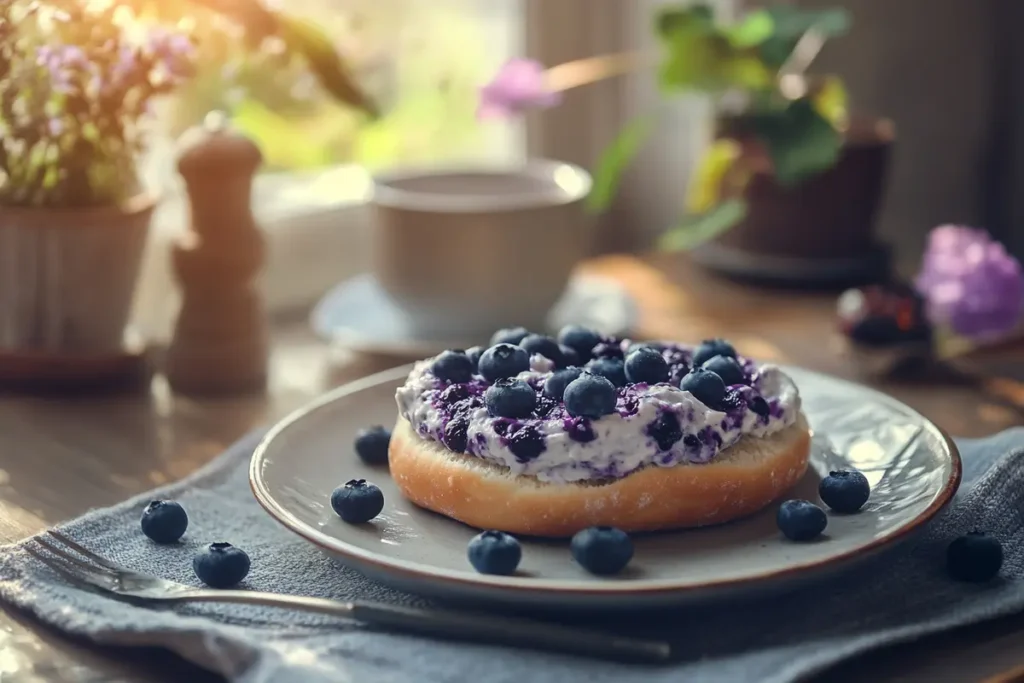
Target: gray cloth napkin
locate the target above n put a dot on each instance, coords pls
(898, 597)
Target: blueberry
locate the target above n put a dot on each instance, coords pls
(456, 434)
(608, 349)
(590, 396)
(164, 521)
(473, 354)
(801, 520)
(602, 550)
(494, 552)
(538, 344)
(510, 398)
(710, 348)
(454, 393)
(569, 356)
(509, 335)
(221, 565)
(357, 501)
(760, 406)
(665, 430)
(844, 491)
(727, 368)
(372, 445)
(706, 386)
(452, 366)
(527, 444)
(646, 365)
(976, 557)
(554, 386)
(611, 369)
(580, 339)
(503, 360)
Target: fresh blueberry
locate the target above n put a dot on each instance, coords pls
(590, 396)
(372, 445)
(710, 348)
(454, 393)
(357, 501)
(801, 520)
(526, 443)
(510, 398)
(554, 386)
(975, 557)
(727, 368)
(164, 521)
(494, 552)
(456, 434)
(569, 356)
(221, 565)
(844, 491)
(646, 365)
(665, 430)
(509, 335)
(452, 366)
(612, 369)
(538, 344)
(473, 354)
(602, 550)
(609, 349)
(705, 385)
(580, 339)
(503, 360)
(760, 406)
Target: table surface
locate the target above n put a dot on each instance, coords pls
(60, 457)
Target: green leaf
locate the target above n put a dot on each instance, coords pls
(800, 141)
(614, 161)
(695, 230)
(790, 23)
(755, 28)
(670, 20)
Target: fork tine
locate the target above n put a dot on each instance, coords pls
(58, 567)
(82, 566)
(84, 552)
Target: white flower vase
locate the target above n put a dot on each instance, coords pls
(67, 276)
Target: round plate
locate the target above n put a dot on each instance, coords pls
(913, 468)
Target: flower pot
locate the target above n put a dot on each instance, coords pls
(820, 233)
(67, 276)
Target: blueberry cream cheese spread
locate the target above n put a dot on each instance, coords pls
(665, 404)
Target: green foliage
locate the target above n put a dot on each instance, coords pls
(801, 142)
(697, 229)
(790, 23)
(614, 161)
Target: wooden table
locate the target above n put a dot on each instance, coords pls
(60, 457)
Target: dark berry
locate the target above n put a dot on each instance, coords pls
(706, 386)
(164, 521)
(975, 557)
(801, 520)
(510, 398)
(456, 434)
(710, 348)
(580, 430)
(526, 444)
(665, 430)
(473, 354)
(610, 349)
(372, 445)
(881, 315)
(569, 357)
(538, 344)
(494, 552)
(221, 565)
(727, 368)
(454, 393)
(732, 400)
(646, 365)
(590, 396)
(760, 406)
(579, 339)
(844, 491)
(509, 335)
(554, 386)
(357, 501)
(452, 366)
(611, 369)
(602, 550)
(503, 360)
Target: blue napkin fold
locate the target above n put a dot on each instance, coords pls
(898, 597)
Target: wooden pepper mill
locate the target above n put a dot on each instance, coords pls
(220, 337)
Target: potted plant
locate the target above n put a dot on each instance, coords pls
(77, 81)
(789, 184)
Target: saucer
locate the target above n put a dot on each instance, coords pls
(357, 314)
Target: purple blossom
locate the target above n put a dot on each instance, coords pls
(970, 283)
(174, 50)
(517, 87)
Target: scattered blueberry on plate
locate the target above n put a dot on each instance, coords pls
(646, 365)
(164, 521)
(709, 348)
(358, 501)
(706, 386)
(554, 386)
(975, 557)
(613, 369)
(494, 552)
(801, 520)
(371, 445)
(580, 339)
(503, 360)
(512, 398)
(453, 366)
(221, 565)
(602, 550)
(844, 491)
(727, 368)
(590, 396)
(509, 335)
(538, 344)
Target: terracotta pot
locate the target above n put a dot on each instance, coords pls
(67, 276)
(821, 232)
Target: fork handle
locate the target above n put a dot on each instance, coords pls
(464, 626)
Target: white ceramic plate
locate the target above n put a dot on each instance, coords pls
(914, 470)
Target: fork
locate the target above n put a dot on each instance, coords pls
(65, 557)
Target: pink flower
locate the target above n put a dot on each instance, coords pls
(518, 86)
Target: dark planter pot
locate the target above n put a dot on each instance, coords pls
(819, 234)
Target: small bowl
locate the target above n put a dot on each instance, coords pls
(466, 250)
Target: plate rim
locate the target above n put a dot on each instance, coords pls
(612, 589)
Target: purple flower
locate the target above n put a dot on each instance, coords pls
(518, 86)
(970, 283)
(174, 50)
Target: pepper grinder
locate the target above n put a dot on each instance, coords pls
(219, 345)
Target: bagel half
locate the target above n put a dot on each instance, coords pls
(740, 481)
